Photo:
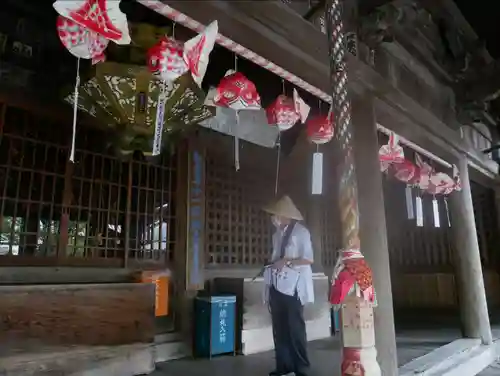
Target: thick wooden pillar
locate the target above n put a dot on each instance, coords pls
(467, 261)
(373, 228)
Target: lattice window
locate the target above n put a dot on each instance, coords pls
(237, 230)
(91, 211)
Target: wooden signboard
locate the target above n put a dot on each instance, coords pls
(196, 219)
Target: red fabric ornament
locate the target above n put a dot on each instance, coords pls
(81, 42)
(103, 17)
(423, 173)
(237, 92)
(170, 59)
(404, 171)
(320, 128)
(282, 113)
(391, 153)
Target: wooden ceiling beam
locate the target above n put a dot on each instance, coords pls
(272, 30)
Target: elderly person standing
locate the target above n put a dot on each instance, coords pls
(292, 249)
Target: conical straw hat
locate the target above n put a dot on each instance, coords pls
(284, 207)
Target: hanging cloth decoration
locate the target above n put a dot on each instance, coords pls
(443, 184)
(82, 43)
(236, 92)
(170, 60)
(103, 17)
(85, 27)
(284, 113)
(390, 153)
(320, 130)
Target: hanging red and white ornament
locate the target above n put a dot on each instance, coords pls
(85, 28)
(391, 153)
(284, 113)
(103, 17)
(320, 130)
(170, 59)
(236, 92)
(81, 42)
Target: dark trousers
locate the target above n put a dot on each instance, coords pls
(289, 332)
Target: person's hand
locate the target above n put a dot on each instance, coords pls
(279, 264)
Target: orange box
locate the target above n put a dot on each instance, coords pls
(161, 280)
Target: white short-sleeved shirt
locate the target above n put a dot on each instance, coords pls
(299, 247)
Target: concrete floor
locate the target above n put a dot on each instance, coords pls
(324, 356)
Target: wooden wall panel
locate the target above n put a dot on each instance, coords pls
(106, 314)
(437, 290)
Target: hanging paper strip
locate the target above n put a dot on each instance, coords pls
(317, 174)
(409, 202)
(435, 211)
(420, 212)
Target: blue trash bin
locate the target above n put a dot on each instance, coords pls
(215, 324)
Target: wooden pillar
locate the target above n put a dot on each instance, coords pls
(315, 224)
(373, 228)
(467, 261)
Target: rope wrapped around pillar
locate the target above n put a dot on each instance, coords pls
(352, 285)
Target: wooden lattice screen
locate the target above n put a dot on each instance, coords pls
(237, 230)
(100, 210)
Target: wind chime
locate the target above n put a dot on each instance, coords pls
(85, 28)
(141, 103)
(284, 113)
(238, 93)
(420, 176)
(320, 130)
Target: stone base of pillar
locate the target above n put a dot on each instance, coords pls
(359, 354)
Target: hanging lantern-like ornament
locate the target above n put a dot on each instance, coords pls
(238, 93)
(320, 129)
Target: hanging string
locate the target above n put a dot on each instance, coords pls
(236, 129)
(283, 86)
(173, 30)
(75, 111)
(447, 211)
(278, 143)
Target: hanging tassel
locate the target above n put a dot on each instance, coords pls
(435, 210)
(447, 211)
(160, 114)
(75, 111)
(409, 203)
(278, 164)
(420, 213)
(237, 143)
(317, 173)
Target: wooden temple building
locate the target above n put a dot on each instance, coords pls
(76, 238)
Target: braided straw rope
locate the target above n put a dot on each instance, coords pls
(338, 42)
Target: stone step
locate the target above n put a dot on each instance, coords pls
(464, 357)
